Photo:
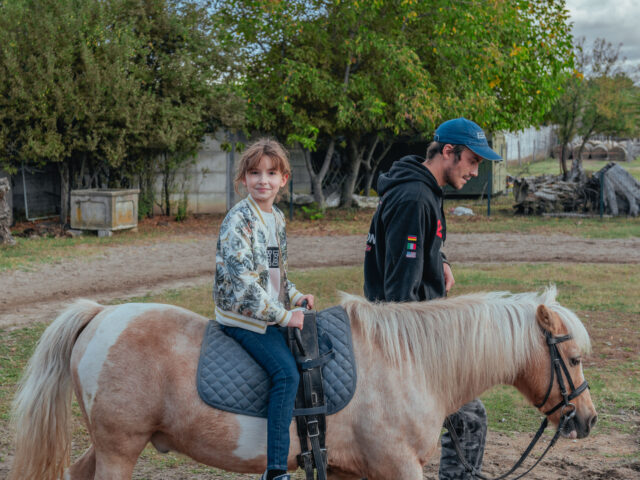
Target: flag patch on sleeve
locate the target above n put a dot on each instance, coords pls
(411, 246)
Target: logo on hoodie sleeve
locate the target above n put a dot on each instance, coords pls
(411, 246)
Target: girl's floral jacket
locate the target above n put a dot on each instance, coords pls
(242, 270)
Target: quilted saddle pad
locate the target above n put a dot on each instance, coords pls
(229, 378)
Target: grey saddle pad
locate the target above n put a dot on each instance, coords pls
(229, 378)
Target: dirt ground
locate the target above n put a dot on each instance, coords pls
(176, 261)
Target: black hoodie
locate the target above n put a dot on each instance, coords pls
(403, 261)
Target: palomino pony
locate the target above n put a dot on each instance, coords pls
(133, 368)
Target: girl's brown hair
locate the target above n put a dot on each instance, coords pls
(253, 154)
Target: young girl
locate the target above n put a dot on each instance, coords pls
(251, 290)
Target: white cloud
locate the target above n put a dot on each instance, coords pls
(615, 21)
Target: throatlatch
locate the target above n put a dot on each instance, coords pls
(310, 407)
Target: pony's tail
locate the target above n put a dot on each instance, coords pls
(42, 405)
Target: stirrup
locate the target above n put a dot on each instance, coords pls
(284, 476)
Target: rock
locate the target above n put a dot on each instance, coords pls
(333, 200)
(366, 202)
(72, 233)
(302, 199)
(462, 211)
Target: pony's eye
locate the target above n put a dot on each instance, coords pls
(575, 361)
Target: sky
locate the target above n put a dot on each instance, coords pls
(614, 20)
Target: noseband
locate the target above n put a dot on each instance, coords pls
(568, 411)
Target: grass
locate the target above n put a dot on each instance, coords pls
(29, 252)
(552, 166)
(503, 220)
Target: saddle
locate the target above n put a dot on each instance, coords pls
(229, 379)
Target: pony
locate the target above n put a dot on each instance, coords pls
(132, 368)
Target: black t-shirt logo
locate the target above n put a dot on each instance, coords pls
(273, 254)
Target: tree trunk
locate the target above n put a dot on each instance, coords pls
(371, 165)
(564, 153)
(65, 191)
(621, 190)
(317, 178)
(349, 184)
(5, 213)
(167, 175)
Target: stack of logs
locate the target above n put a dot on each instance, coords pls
(551, 194)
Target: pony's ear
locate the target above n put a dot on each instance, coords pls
(548, 320)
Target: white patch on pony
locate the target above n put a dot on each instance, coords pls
(111, 324)
(252, 441)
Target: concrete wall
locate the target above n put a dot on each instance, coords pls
(204, 180)
(208, 180)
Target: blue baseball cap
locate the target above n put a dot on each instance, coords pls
(461, 131)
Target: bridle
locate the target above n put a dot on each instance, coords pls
(567, 413)
(558, 366)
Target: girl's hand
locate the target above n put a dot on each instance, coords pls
(310, 301)
(297, 319)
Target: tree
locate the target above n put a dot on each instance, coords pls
(600, 98)
(105, 89)
(66, 96)
(354, 74)
(183, 75)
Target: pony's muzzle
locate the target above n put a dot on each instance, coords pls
(577, 427)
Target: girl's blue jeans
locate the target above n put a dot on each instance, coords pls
(270, 350)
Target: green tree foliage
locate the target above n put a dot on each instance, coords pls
(358, 74)
(599, 98)
(112, 92)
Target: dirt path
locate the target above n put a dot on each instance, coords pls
(131, 270)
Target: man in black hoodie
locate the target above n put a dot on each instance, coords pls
(403, 259)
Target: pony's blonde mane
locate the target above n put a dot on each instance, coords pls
(495, 332)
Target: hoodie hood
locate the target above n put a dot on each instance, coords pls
(407, 169)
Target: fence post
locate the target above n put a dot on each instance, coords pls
(489, 189)
(533, 159)
(291, 197)
(601, 194)
(230, 169)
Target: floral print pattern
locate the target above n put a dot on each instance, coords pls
(242, 268)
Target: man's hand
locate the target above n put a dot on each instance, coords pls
(449, 281)
(297, 319)
(310, 301)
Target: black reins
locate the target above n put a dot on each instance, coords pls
(568, 412)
